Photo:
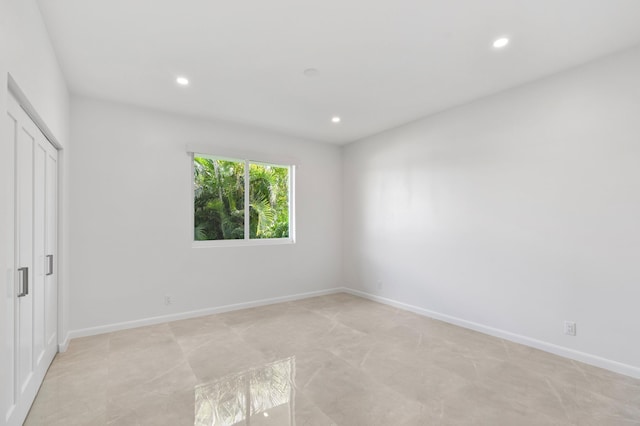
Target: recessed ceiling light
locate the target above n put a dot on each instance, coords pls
(182, 81)
(501, 42)
(310, 72)
(335, 119)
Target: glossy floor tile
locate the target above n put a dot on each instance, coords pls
(332, 360)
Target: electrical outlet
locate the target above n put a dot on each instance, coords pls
(168, 300)
(570, 328)
(379, 284)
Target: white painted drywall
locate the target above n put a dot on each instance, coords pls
(28, 55)
(515, 212)
(130, 212)
(25, 53)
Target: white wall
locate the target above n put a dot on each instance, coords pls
(130, 210)
(26, 54)
(516, 212)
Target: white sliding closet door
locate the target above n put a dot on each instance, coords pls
(45, 289)
(25, 139)
(51, 254)
(33, 300)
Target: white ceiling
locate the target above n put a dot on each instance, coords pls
(381, 63)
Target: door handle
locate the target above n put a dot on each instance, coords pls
(24, 282)
(49, 264)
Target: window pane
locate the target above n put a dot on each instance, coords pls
(218, 199)
(269, 201)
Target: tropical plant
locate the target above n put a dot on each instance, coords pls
(219, 200)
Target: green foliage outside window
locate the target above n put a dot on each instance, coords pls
(219, 190)
(269, 201)
(218, 199)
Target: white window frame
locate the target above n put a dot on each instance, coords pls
(247, 241)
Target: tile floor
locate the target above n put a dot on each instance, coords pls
(333, 360)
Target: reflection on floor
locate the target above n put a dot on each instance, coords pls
(332, 360)
(259, 396)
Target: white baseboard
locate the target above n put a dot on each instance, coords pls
(587, 358)
(92, 331)
(64, 345)
(615, 366)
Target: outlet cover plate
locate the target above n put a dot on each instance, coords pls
(570, 328)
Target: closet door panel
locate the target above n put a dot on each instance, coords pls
(51, 243)
(39, 227)
(24, 252)
(8, 390)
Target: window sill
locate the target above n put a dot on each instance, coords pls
(243, 243)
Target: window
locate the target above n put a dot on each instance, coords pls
(241, 200)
